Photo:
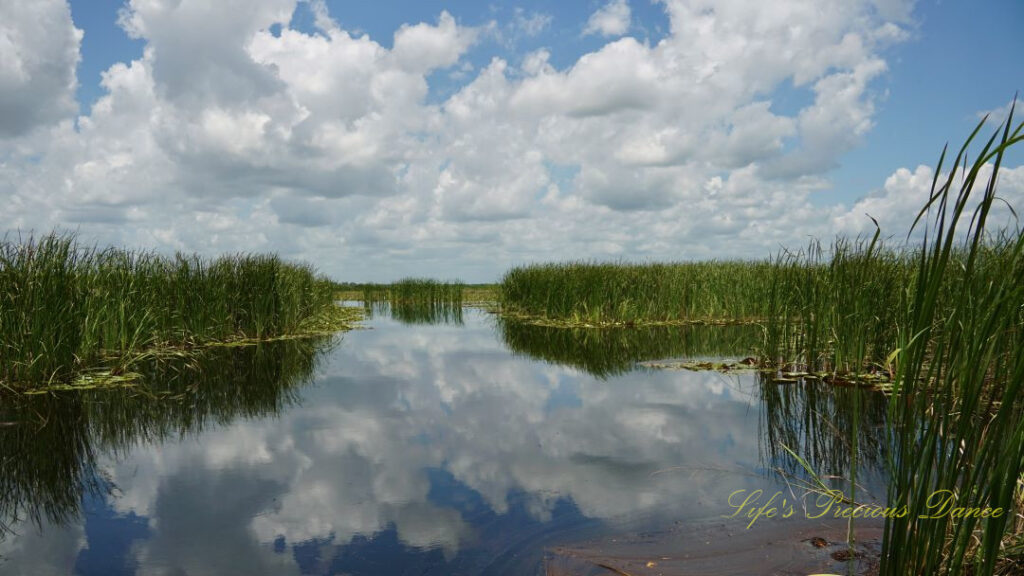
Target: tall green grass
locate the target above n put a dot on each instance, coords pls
(945, 319)
(415, 290)
(417, 300)
(609, 293)
(956, 414)
(835, 309)
(64, 306)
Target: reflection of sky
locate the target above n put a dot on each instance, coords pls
(419, 447)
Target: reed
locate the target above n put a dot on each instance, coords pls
(415, 290)
(617, 293)
(836, 310)
(945, 319)
(65, 307)
(956, 415)
(416, 300)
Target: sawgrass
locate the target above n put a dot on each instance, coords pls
(598, 294)
(416, 300)
(65, 307)
(956, 414)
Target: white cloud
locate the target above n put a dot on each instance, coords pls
(423, 47)
(39, 50)
(331, 147)
(611, 20)
(906, 192)
(47, 550)
(532, 23)
(999, 115)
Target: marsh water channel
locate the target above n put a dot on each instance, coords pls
(456, 444)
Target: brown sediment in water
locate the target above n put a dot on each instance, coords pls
(784, 548)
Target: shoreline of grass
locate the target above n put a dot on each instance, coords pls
(119, 371)
(620, 293)
(66, 309)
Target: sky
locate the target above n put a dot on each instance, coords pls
(455, 139)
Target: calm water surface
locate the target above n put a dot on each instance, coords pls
(465, 447)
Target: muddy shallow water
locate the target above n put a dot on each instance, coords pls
(460, 447)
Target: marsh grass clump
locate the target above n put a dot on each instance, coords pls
(836, 309)
(426, 290)
(65, 307)
(42, 308)
(945, 320)
(621, 293)
(419, 290)
(417, 300)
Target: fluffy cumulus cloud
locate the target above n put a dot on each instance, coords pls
(611, 20)
(237, 131)
(898, 203)
(38, 55)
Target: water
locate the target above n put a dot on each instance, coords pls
(462, 447)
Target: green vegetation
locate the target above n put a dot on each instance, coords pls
(416, 301)
(483, 295)
(946, 322)
(956, 414)
(619, 293)
(65, 308)
(420, 301)
(415, 290)
(835, 310)
(471, 293)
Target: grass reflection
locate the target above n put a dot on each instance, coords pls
(51, 443)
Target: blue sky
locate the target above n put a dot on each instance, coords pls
(105, 43)
(963, 57)
(499, 133)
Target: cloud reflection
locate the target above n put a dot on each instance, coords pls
(431, 445)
